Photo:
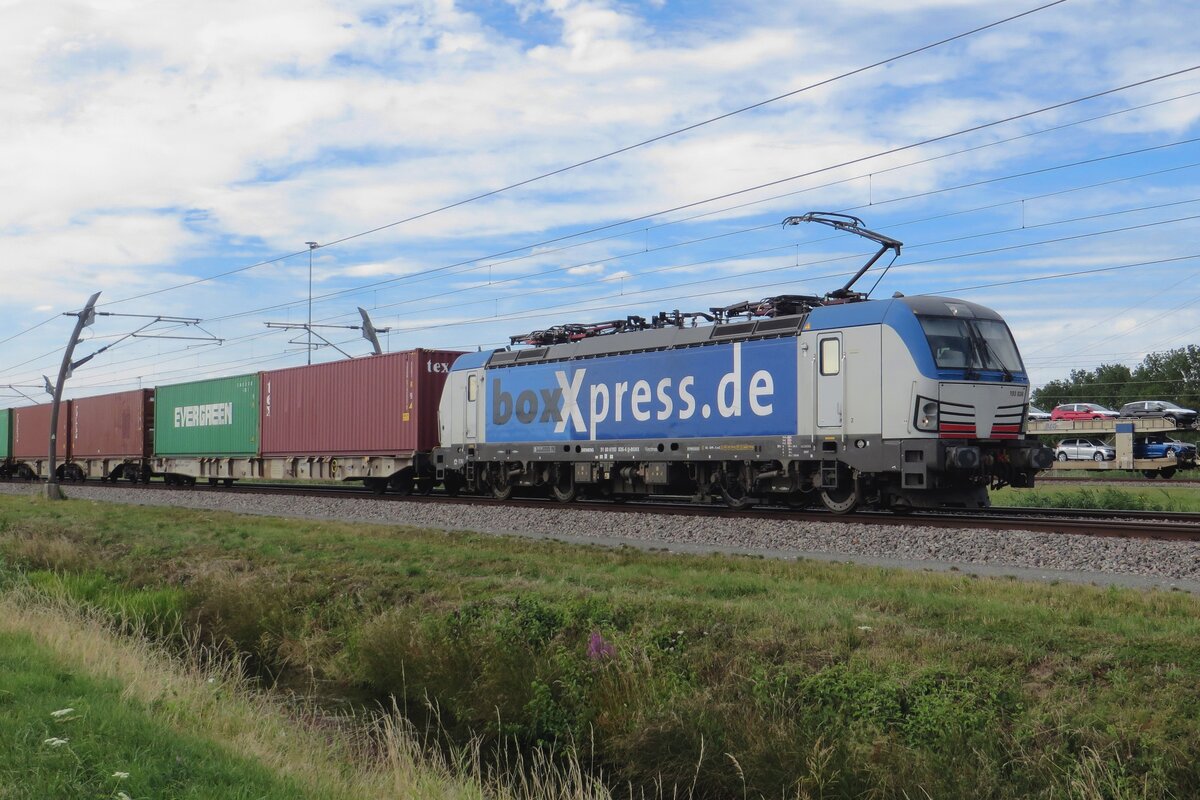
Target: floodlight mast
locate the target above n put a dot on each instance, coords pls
(850, 224)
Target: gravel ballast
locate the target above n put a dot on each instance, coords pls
(1022, 554)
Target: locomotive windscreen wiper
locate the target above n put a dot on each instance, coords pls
(850, 224)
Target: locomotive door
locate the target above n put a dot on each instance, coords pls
(830, 380)
(471, 421)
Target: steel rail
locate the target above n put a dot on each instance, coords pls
(1171, 526)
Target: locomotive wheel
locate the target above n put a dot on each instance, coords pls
(497, 478)
(735, 496)
(425, 486)
(843, 499)
(452, 484)
(563, 488)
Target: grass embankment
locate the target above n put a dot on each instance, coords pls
(1147, 497)
(732, 676)
(90, 713)
(71, 733)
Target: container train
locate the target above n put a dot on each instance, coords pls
(903, 403)
(910, 402)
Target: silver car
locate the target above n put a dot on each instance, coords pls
(1035, 414)
(1084, 450)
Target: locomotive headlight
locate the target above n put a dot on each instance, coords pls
(925, 417)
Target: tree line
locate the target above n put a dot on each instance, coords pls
(1171, 375)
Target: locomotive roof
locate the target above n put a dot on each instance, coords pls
(868, 312)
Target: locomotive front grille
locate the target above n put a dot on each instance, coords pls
(980, 411)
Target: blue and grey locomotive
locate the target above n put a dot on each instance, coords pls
(909, 402)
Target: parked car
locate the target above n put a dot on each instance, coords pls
(1177, 415)
(1035, 414)
(1159, 446)
(1082, 411)
(1085, 450)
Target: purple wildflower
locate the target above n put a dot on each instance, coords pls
(598, 649)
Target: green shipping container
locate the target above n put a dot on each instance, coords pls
(5, 433)
(217, 417)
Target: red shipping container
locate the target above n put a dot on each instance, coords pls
(113, 425)
(372, 406)
(31, 432)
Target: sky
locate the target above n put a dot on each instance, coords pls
(177, 157)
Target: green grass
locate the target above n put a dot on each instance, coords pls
(739, 676)
(106, 733)
(1147, 497)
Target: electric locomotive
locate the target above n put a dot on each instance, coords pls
(908, 402)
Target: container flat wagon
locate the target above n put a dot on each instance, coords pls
(372, 419)
(112, 435)
(207, 429)
(30, 426)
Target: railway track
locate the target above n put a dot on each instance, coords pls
(1172, 526)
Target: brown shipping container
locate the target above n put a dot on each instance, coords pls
(31, 432)
(377, 405)
(113, 425)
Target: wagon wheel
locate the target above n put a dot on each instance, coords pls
(1167, 472)
(402, 483)
(376, 485)
(563, 487)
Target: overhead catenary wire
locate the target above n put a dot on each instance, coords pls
(1057, 105)
(429, 274)
(618, 151)
(789, 246)
(375, 285)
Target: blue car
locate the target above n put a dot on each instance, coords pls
(1163, 446)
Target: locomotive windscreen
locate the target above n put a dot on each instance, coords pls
(966, 343)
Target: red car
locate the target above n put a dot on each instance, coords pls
(1082, 411)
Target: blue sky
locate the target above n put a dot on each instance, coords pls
(150, 147)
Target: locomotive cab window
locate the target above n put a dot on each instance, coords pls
(472, 388)
(971, 343)
(831, 356)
